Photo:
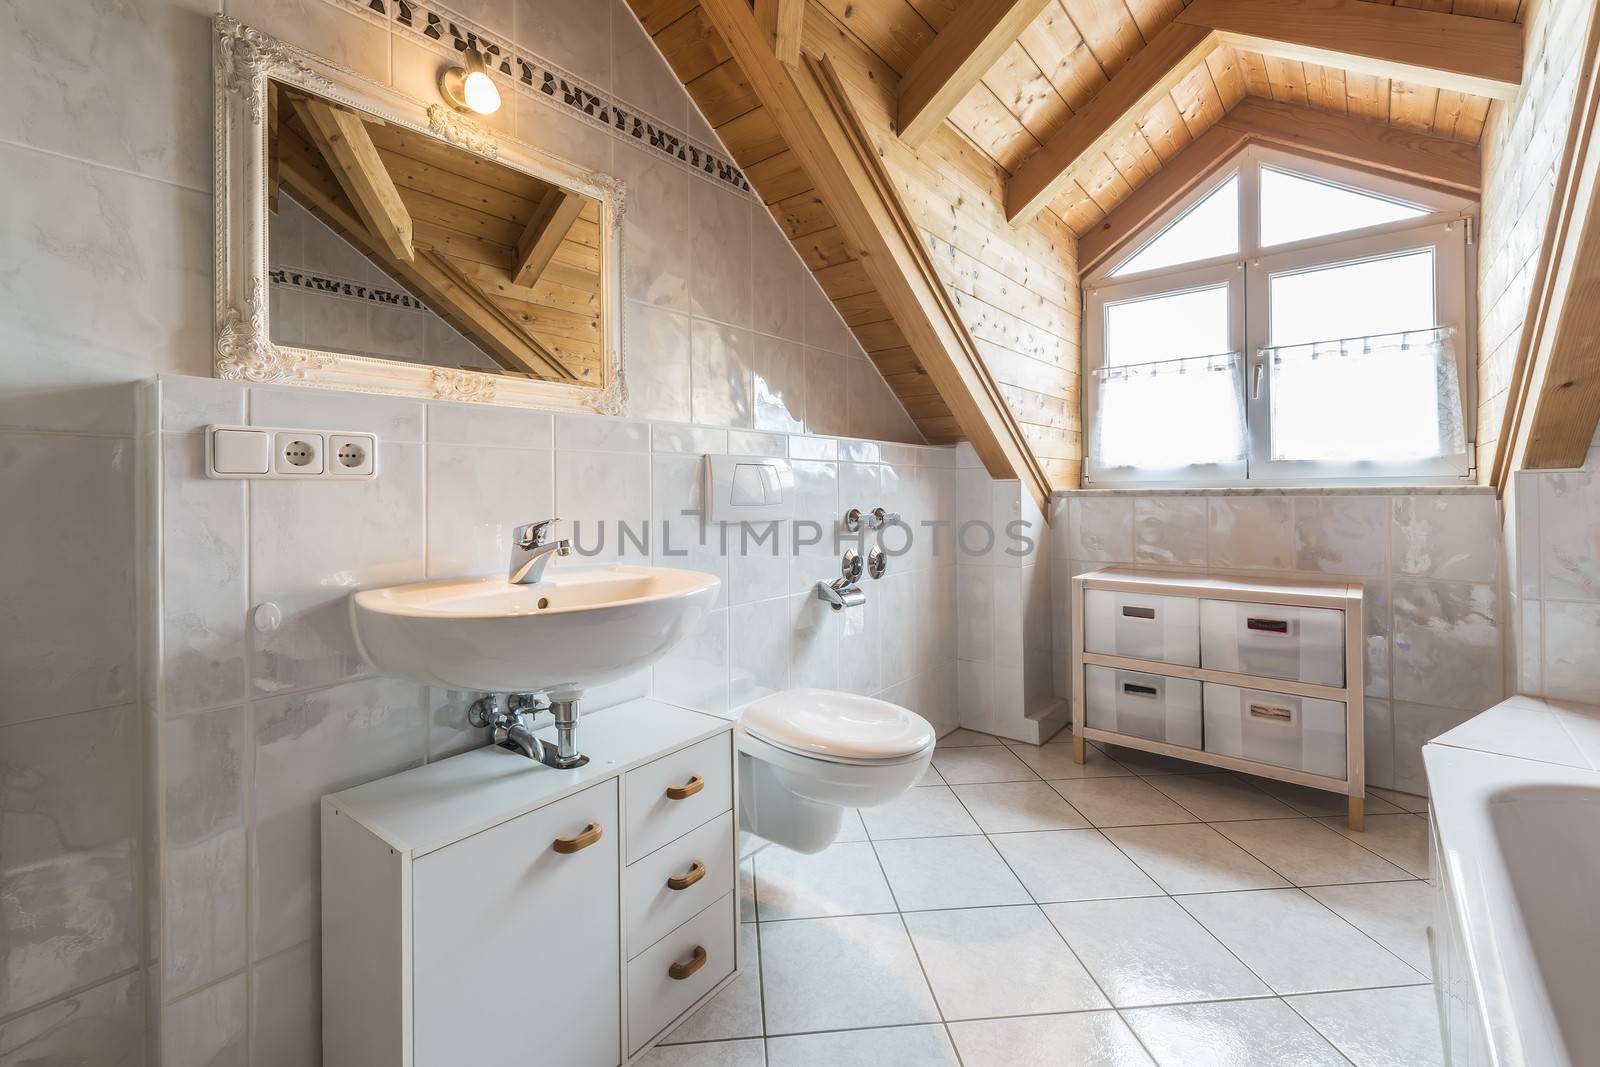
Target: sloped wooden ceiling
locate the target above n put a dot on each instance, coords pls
(1015, 279)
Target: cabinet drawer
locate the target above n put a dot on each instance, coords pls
(1302, 644)
(1164, 628)
(1287, 731)
(1143, 705)
(672, 795)
(659, 990)
(654, 896)
(489, 907)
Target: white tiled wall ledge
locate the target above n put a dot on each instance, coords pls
(1286, 490)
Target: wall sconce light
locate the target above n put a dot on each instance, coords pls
(469, 87)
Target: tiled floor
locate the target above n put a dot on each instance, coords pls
(1017, 909)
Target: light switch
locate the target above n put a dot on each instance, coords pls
(241, 451)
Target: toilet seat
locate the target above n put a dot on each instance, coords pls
(843, 728)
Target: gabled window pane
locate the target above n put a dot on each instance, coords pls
(1207, 230)
(1153, 329)
(1360, 299)
(1294, 208)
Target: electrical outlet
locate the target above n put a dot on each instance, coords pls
(298, 453)
(284, 454)
(352, 454)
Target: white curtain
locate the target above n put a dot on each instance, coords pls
(1169, 415)
(1390, 397)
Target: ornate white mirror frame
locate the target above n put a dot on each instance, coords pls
(246, 60)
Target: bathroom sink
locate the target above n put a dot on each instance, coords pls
(579, 627)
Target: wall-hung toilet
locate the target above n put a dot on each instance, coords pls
(805, 755)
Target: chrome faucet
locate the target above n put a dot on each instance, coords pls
(531, 549)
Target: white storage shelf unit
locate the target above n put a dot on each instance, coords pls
(489, 910)
(1258, 676)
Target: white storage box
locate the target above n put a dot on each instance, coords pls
(1304, 733)
(1140, 626)
(1273, 641)
(1143, 705)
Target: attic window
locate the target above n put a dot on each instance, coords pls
(1295, 322)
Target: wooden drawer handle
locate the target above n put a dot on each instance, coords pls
(687, 789)
(568, 845)
(679, 971)
(696, 871)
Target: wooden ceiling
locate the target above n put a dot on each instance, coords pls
(510, 261)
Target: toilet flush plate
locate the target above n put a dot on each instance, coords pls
(748, 489)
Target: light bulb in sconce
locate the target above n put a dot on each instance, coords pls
(469, 87)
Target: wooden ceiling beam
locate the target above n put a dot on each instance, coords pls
(949, 68)
(781, 20)
(1413, 44)
(1394, 150)
(546, 229)
(1151, 74)
(823, 130)
(341, 137)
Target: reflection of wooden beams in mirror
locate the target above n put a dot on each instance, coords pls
(430, 274)
(544, 233)
(341, 137)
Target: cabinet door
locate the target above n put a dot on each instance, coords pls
(516, 957)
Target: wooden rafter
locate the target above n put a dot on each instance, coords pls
(341, 137)
(1412, 44)
(1373, 146)
(782, 21)
(819, 124)
(1457, 52)
(971, 43)
(544, 233)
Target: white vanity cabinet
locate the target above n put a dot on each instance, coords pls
(489, 910)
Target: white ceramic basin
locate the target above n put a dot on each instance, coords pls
(579, 627)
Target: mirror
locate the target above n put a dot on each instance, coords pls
(403, 249)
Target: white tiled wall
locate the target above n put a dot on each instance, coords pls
(1429, 563)
(1553, 549)
(105, 280)
(256, 722)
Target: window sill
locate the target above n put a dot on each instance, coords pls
(1286, 490)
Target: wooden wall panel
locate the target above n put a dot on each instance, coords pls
(1522, 148)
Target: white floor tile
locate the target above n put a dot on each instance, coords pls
(1320, 802)
(963, 738)
(930, 777)
(714, 1054)
(1400, 801)
(734, 1012)
(1241, 1033)
(1308, 853)
(1016, 807)
(830, 974)
(1121, 802)
(1149, 763)
(850, 828)
(1400, 839)
(843, 879)
(989, 763)
(999, 961)
(1378, 1027)
(929, 873)
(930, 812)
(1394, 914)
(1055, 761)
(1148, 950)
(901, 1046)
(1085, 1039)
(1295, 944)
(1073, 865)
(1221, 797)
(1192, 859)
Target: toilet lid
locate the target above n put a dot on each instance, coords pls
(825, 723)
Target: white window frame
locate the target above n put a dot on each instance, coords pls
(1446, 228)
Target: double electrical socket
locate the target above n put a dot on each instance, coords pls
(275, 452)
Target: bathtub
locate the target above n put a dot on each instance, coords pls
(1516, 930)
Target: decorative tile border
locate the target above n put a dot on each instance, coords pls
(445, 31)
(326, 285)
